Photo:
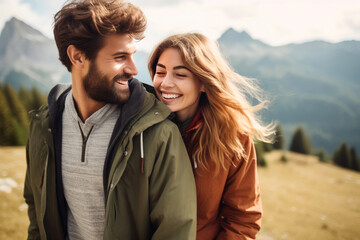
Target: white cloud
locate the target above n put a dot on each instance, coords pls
(303, 21)
(275, 22)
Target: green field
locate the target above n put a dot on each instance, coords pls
(303, 199)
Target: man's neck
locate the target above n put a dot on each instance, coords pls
(85, 106)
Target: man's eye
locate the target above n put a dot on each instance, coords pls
(120, 58)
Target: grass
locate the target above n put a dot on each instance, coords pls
(303, 199)
(13, 211)
(306, 199)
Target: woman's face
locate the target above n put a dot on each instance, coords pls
(176, 86)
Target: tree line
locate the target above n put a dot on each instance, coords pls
(14, 109)
(344, 156)
(14, 126)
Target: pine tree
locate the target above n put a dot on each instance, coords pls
(16, 106)
(39, 99)
(26, 98)
(19, 134)
(259, 148)
(300, 142)
(342, 156)
(6, 121)
(355, 161)
(268, 147)
(20, 122)
(279, 138)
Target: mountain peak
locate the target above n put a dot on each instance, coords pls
(231, 34)
(15, 32)
(17, 28)
(26, 50)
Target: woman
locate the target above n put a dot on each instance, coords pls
(218, 125)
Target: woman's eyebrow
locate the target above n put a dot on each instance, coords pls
(181, 67)
(175, 68)
(160, 65)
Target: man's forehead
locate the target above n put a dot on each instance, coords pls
(120, 42)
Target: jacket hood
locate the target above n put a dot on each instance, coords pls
(149, 88)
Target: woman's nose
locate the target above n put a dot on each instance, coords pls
(167, 81)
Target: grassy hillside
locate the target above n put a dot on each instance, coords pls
(306, 199)
(303, 199)
(13, 210)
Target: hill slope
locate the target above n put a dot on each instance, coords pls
(306, 199)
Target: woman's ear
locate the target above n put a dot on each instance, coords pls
(202, 88)
(76, 56)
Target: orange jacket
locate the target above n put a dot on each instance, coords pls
(228, 204)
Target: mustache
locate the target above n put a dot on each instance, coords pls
(124, 76)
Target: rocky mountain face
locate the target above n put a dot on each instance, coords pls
(314, 84)
(28, 58)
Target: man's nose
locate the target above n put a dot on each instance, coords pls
(131, 68)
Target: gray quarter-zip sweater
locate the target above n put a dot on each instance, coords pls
(84, 148)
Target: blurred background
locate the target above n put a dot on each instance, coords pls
(304, 54)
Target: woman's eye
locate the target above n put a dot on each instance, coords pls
(160, 73)
(180, 75)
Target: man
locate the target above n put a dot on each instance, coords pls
(103, 161)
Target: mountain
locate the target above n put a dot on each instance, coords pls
(314, 84)
(28, 58)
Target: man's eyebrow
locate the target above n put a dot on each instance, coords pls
(123, 53)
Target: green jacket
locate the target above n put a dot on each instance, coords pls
(153, 198)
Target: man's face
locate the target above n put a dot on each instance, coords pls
(108, 75)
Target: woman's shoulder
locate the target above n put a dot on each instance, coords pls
(245, 139)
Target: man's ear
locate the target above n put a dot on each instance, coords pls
(76, 56)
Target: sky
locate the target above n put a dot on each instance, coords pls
(275, 22)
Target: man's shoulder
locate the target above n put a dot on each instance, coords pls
(164, 130)
(154, 106)
(40, 113)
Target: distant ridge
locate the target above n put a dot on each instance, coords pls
(314, 84)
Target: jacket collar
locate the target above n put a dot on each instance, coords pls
(195, 123)
(56, 99)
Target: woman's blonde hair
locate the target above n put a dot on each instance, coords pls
(225, 108)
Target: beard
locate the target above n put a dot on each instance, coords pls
(102, 89)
